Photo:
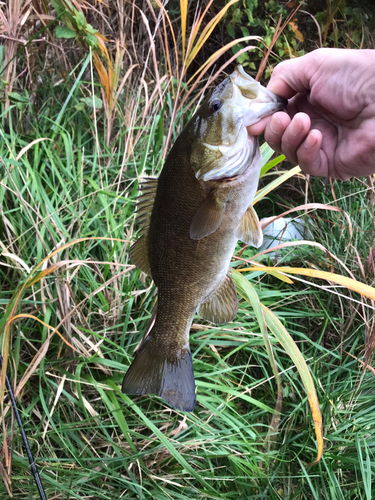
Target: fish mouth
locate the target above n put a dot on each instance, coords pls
(261, 102)
(264, 107)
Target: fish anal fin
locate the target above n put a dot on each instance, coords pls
(222, 305)
(249, 230)
(164, 372)
(139, 254)
(208, 216)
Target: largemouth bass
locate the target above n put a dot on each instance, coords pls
(191, 219)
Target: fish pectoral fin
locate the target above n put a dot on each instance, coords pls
(222, 305)
(139, 254)
(208, 217)
(249, 230)
(160, 370)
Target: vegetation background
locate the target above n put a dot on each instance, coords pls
(92, 95)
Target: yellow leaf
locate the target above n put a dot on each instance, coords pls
(293, 24)
(281, 277)
(183, 9)
(299, 36)
(103, 75)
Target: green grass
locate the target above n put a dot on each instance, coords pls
(92, 442)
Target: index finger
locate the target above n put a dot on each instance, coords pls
(294, 76)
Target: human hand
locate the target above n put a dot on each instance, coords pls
(330, 126)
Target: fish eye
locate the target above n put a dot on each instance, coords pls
(215, 105)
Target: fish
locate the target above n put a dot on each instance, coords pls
(191, 218)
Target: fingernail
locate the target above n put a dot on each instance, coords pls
(296, 126)
(276, 126)
(310, 141)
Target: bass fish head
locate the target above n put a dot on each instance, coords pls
(221, 147)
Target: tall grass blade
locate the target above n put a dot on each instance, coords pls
(264, 315)
(280, 332)
(350, 283)
(208, 29)
(365, 466)
(267, 152)
(275, 183)
(183, 11)
(267, 166)
(248, 293)
(74, 86)
(31, 316)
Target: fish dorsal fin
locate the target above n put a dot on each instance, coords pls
(249, 230)
(222, 305)
(145, 203)
(139, 254)
(139, 250)
(208, 217)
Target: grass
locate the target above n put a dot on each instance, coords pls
(89, 440)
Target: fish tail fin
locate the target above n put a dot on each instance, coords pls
(165, 372)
